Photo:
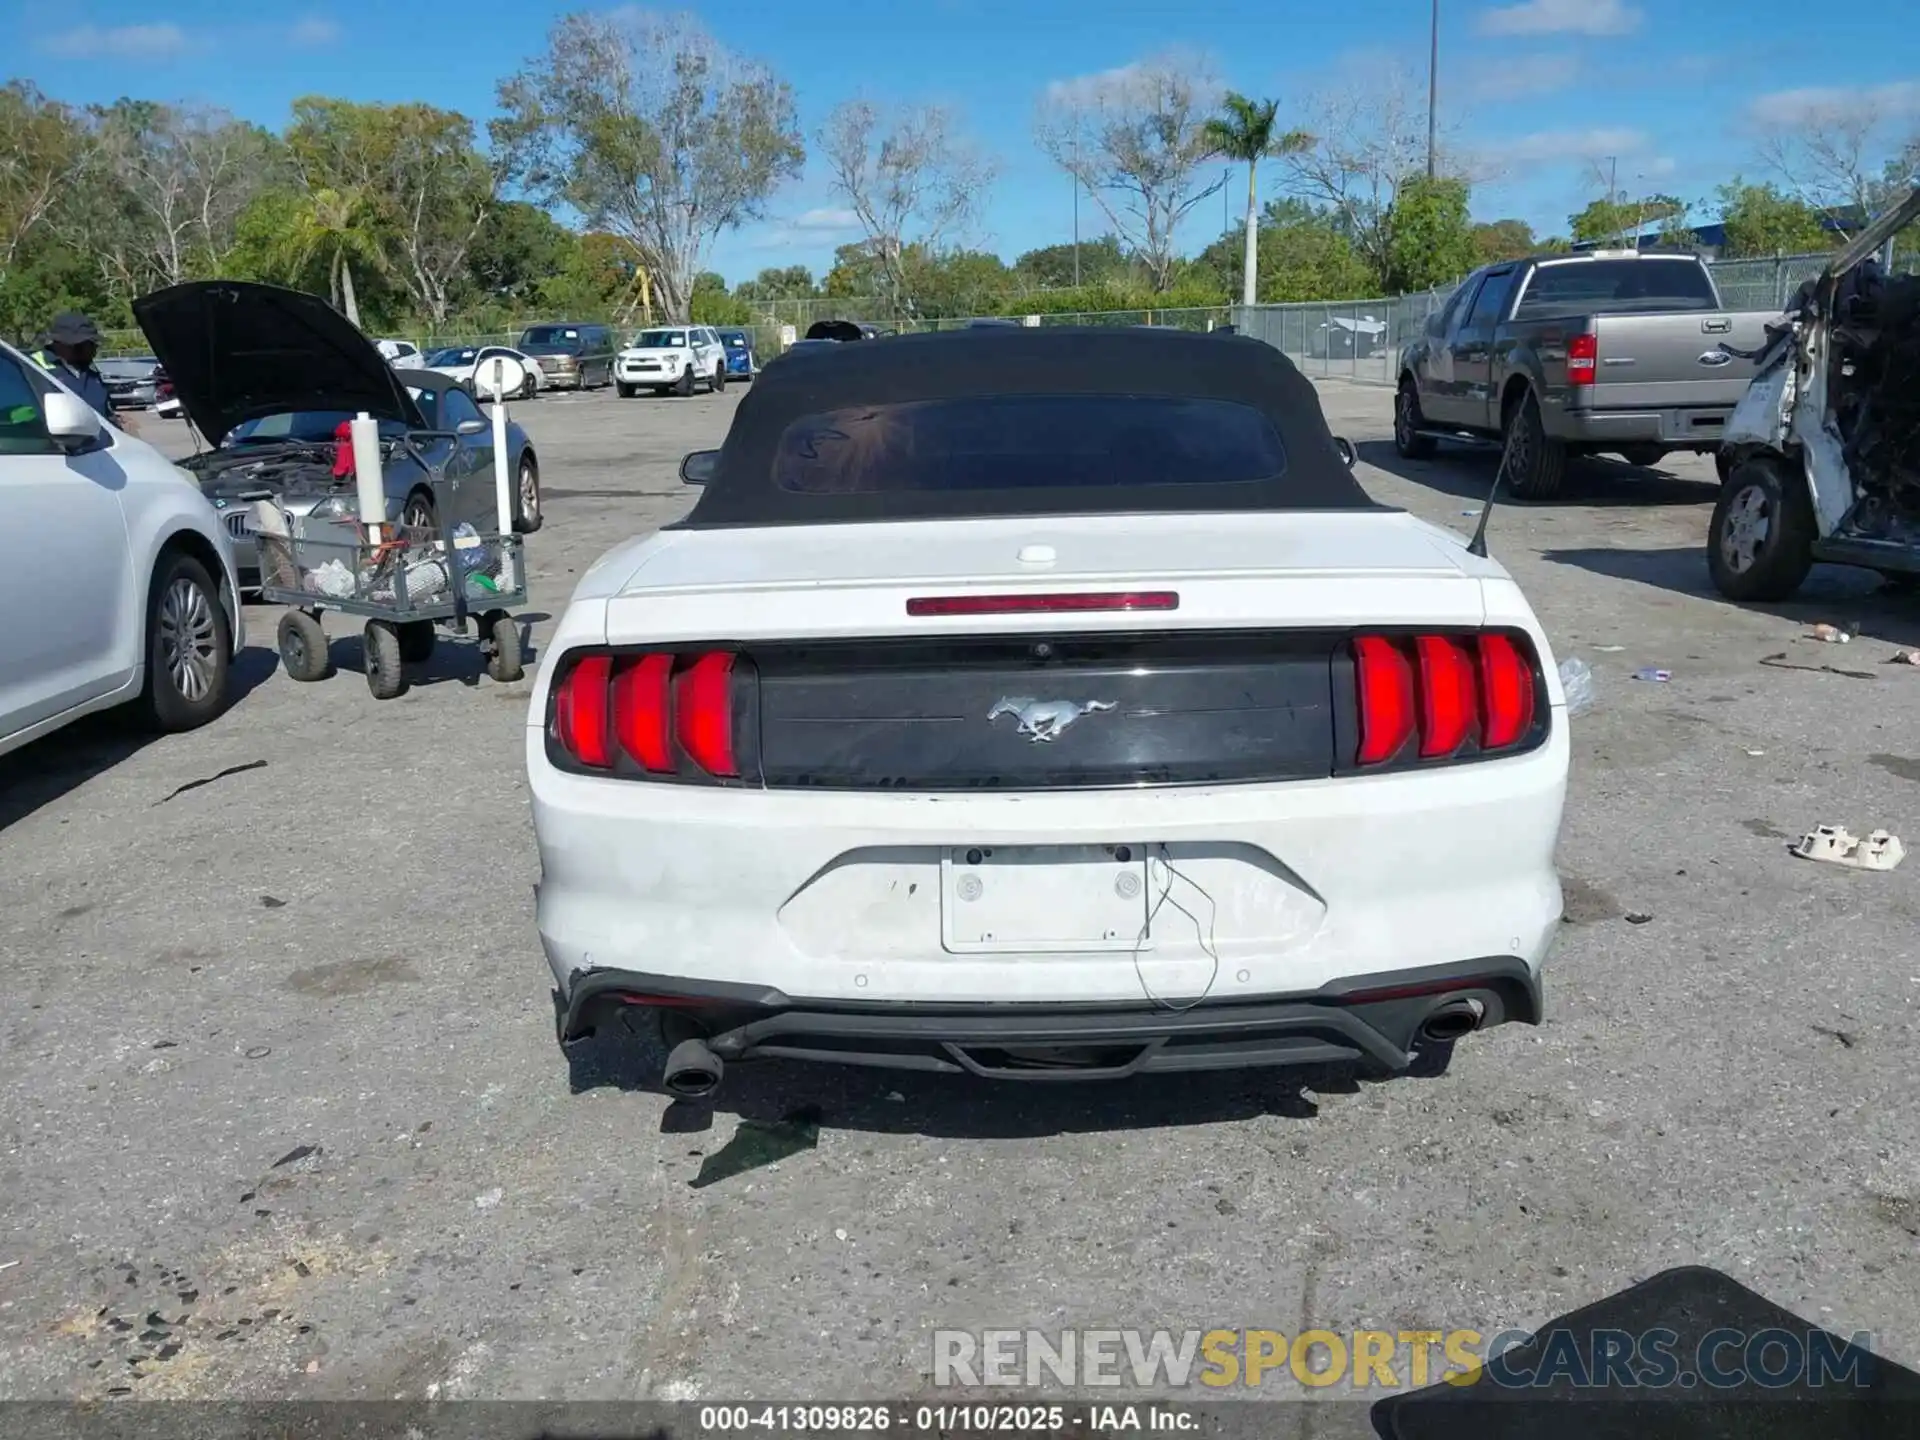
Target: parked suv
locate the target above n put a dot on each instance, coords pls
(673, 357)
(571, 356)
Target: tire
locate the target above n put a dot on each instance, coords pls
(1536, 463)
(417, 640)
(626, 391)
(527, 513)
(1760, 540)
(500, 642)
(419, 524)
(685, 387)
(1407, 420)
(304, 653)
(385, 677)
(719, 379)
(189, 646)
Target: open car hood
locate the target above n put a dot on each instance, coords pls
(236, 351)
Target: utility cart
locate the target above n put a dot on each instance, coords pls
(406, 586)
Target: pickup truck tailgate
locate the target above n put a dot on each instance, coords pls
(1671, 361)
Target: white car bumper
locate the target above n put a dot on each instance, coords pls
(787, 901)
(653, 370)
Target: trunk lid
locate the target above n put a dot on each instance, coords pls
(236, 351)
(1660, 362)
(1236, 684)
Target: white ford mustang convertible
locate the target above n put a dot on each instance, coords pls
(1043, 704)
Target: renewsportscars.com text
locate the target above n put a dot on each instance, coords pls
(1653, 1359)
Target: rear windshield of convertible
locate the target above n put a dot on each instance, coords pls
(1000, 442)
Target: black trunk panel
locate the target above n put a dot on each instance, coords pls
(1186, 708)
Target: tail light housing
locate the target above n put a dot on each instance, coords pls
(672, 715)
(1435, 697)
(1583, 355)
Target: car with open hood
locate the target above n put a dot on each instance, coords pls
(269, 378)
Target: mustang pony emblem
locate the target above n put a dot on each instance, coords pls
(1044, 719)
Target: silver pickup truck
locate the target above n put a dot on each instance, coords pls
(1609, 352)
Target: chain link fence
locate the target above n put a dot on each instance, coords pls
(1352, 339)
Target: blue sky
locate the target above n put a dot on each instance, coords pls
(1534, 88)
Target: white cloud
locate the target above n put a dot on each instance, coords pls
(1522, 76)
(1562, 17)
(314, 33)
(1658, 166)
(1546, 147)
(830, 221)
(1828, 104)
(122, 42)
(1083, 89)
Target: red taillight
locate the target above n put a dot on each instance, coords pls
(1583, 354)
(642, 713)
(1441, 693)
(1507, 689)
(1386, 698)
(1031, 604)
(581, 711)
(703, 714)
(667, 712)
(1449, 704)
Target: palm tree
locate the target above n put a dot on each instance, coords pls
(1245, 131)
(337, 226)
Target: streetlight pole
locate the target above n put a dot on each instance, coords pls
(1433, 84)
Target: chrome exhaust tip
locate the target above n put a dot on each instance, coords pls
(1452, 1021)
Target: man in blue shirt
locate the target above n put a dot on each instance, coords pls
(72, 342)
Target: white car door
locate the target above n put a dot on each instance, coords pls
(67, 579)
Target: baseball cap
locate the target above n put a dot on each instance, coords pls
(72, 328)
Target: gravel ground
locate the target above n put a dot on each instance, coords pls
(283, 1113)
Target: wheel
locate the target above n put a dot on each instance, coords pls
(500, 642)
(1535, 462)
(303, 647)
(1760, 540)
(416, 641)
(685, 387)
(719, 379)
(189, 646)
(527, 517)
(419, 525)
(385, 678)
(526, 390)
(626, 391)
(1407, 420)
(1645, 456)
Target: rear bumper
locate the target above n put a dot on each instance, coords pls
(1676, 429)
(1374, 1020)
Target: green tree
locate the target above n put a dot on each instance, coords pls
(1620, 218)
(1496, 240)
(651, 129)
(1246, 132)
(1056, 267)
(1762, 220)
(43, 151)
(790, 282)
(956, 283)
(1432, 236)
(855, 274)
(518, 248)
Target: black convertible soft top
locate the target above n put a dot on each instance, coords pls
(1190, 422)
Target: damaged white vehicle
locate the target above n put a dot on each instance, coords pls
(1822, 455)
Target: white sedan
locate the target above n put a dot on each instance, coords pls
(1043, 704)
(465, 363)
(121, 587)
